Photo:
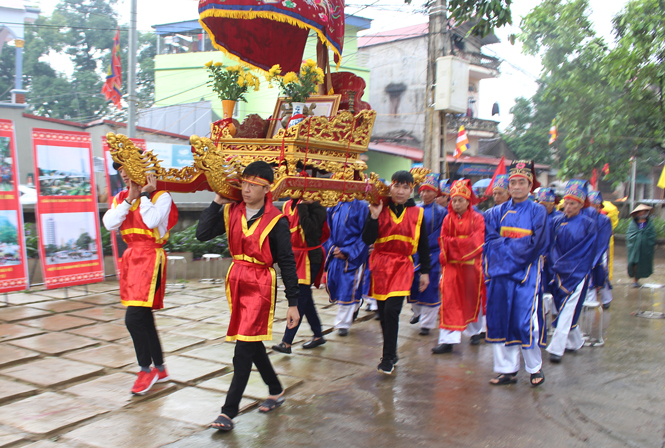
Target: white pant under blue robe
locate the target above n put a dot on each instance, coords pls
(567, 334)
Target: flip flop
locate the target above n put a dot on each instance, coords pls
(535, 376)
(271, 404)
(222, 423)
(505, 378)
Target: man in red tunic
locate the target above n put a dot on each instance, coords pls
(258, 236)
(307, 223)
(397, 232)
(144, 217)
(462, 283)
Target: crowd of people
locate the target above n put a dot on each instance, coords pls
(489, 275)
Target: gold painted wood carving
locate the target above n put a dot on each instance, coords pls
(317, 160)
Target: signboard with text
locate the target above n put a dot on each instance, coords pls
(13, 257)
(67, 215)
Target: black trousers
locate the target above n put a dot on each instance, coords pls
(141, 326)
(389, 311)
(306, 309)
(244, 355)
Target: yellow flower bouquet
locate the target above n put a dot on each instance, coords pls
(297, 87)
(231, 83)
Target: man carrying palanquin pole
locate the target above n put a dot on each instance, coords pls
(462, 284)
(516, 240)
(571, 257)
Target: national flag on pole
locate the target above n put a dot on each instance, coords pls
(462, 142)
(594, 179)
(661, 181)
(113, 84)
(500, 169)
(553, 132)
(606, 169)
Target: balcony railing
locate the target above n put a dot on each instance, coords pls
(471, 124)
(480, 59)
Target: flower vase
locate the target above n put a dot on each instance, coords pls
(298, 109)
(227, 108)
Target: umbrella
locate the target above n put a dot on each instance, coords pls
(262, 34)
(482, 183)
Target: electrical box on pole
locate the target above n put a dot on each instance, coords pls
(452, 85)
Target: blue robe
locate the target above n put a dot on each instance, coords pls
(600, 273)
(433, 215)
(344, 277)
(547, 279)
(516, 241)
(571, 258)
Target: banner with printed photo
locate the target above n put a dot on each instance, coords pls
(67, 215)
(115, 185)
(13, 256)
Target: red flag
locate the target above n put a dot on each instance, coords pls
(594, 179)
(606, 169)
(113, 84)
(500, 169)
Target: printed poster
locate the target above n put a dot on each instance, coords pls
(66, 212)
(13, 255)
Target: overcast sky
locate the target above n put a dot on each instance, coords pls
(518, 74)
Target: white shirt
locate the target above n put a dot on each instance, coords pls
(154, 215)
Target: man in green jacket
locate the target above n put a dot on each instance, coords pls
(641, 242)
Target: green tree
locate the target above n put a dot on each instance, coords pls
(84, 31)
(8, 233)
(83, 241)
(599, 116)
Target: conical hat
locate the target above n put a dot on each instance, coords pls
(640, 208)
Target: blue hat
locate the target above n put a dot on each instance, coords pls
(501, 181)
(595, 197)
(431, 182)
(444, 186)
(545, 195)
(577, 189)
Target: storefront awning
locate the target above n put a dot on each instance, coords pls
(409, 152)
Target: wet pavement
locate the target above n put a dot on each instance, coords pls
(67, 365)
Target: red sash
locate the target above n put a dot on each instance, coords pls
(144, 255)
(391, 263)
(251, 282)
(300, 248)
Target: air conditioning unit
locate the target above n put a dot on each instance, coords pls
(452, 85)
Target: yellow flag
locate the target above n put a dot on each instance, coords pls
(661, 181)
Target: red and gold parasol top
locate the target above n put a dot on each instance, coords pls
(263, 33)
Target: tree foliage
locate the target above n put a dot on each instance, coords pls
(607, 101)
(83, 31)
(487, 14)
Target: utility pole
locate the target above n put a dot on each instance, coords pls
(131, 70)
(438, 45)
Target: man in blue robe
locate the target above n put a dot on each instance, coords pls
(425, 305)
(516, 241)
(571, 259)
(547, 198)
(347, 257)
(600, 280)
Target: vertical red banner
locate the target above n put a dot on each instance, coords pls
(115, 185)
(67, 214)
(13, 256)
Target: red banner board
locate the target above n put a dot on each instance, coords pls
(67, 214)
(13, 258)
(115, 185)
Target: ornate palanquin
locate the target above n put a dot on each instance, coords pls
(317, 159)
